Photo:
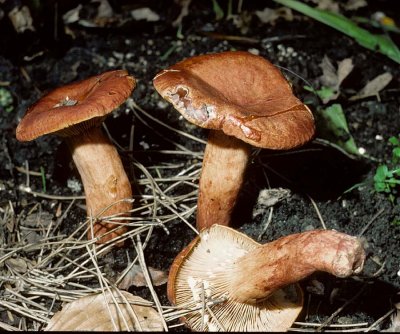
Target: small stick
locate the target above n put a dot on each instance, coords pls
(27, 174)
(318, 213)
(139, 251)
(340, 309)
(271, 209)
(377, 322)
(370, 222)
(38, 194)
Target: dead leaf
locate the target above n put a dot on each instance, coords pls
(269, 15)
(268, 198)
(135, 277)
(41, 219)
(101, 312)
(355, 4)
(104, 9)
(72, 15)
(19, 265)
(103, 17)
(184, 11)
(344, 68)
(329, 77)
(21, 19)
(373, 87)
(329, 5)
(333, 78)
(144, 13)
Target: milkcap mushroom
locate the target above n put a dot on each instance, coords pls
(229, 282)
(245, 101)
(76, 112)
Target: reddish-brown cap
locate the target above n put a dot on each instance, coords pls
(200, 277)
(77, 106)
(242, 94)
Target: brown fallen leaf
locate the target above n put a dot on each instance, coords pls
(135, 277)
(184, 11)
(355, 4)
(119, 311)
(21, 19)
(333, 78)
(373, 87)
(270, 15)
(19, 265)
(329, 5)
(269, 197)
(146, 14)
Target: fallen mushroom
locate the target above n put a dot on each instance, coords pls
(75, 112)
(244, 100)
(232, 283)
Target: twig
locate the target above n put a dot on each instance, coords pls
(341, 308)
(139, 251)
(370, 222)
(266, 224)
(38, 194)
(377, 322)
(318, 212)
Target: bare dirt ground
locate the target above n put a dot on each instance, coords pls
(45, 259)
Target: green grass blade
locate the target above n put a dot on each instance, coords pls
(336, 123)
(380, 43)
(219, 13)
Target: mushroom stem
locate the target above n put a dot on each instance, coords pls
(289, 259)
(224, 165)
(104, 180)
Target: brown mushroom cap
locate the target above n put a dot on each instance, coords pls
(202, 272)
(242, 94)
(72, 108)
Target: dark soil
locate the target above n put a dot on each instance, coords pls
(315, 170)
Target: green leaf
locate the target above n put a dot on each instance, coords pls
(323, 93)
(6, 100)
(394, 141)
(380, 187)
(396, 154)
(381, 174)
(336, 122)
(219, 13)
(380, 43)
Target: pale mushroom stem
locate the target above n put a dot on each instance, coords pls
(289, 259)
(104, 180)
(223, 169)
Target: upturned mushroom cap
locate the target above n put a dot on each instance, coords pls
(70, 109)
(202, 272)
(242, 94)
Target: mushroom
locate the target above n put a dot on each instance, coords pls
(232, 283)
(76, 112)
(245, 101)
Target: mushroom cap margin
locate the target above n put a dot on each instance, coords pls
(91, 100)
(242, 94)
